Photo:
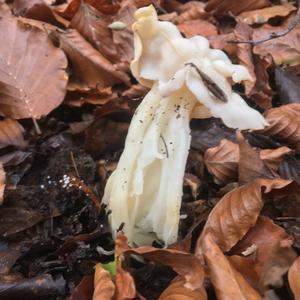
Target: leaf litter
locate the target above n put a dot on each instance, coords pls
(67, 98)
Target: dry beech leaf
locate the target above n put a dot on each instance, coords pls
(4, 9)
(177, 291)
(125, 286)
(32, 71)
(284, 124)
(294, 278)
(192, 10)
(11, 133)
(197, 27)
(136, 91)
(223, 7)
(285, 50)
(222, 161)
(229, 284)
(251, 166)
(185, 264)
(104, 288)
(237, 212)
(2, 182)
(263, 15)
(89, 66)
(115, 45)
(272, 256)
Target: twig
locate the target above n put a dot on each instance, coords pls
(273, 35)
(211, 85)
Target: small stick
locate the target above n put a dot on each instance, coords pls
(273, 35)
(167, 152)
(74, 164)
(36, 126)
(211, 85)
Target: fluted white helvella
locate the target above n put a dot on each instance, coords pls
(187, 79)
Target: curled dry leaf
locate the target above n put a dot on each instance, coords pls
(223, 7)
(228, 283)
(272, 256)
(285, 49)
(263, 15)
(177, 291)
(125, 286)
(33, 78)
(104, 288)
(237, 212)
(284, 124)
(185, 264)
(222, 161)
(11, 133)
(89, 66)
(294, 279)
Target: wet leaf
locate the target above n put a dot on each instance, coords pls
(284, 124)
(177, 291)
(237, 212)
(272, 256)
(33, 78)
(185, 264)
(288, 86)
(84, 290)
(284, 49)
(228, 283)
(42, 286)
(104, 288)
(294, 279)
(223, 7)
(263, 15)
(11, 133)
(90, 68)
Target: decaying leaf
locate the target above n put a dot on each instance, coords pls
(84, 290)
(294, 279)
(185, 264)
(237, 212)
(11, 133)
(284, 49)
(32, 71)
(273, 255)
(177, 291)
(284, 124)
(104, 288)
(223, 7)
(228, 283)
(89, 66)
(263, 15)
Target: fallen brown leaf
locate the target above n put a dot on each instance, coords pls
(2, 182)
(197, 27)
(177, 291)
(4, 9)
(33, 78)
(251, 166)
(185, 264)
(273, 255)
(223, 7)
(104, 288)
(11, 133)
(237, 212)
(222, 161)
(115, 45)
(89, 66)
(192, 10)
(125, 287)
(284, 124)
(135, 92)
(294, 279)
(228, 283)
(84, 290)
(263, 15)
(285, 49)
